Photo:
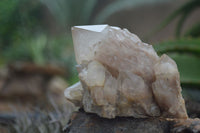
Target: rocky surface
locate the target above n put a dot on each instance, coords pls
(186, 126)
(82, 122)
(122, 76)
(85, 123)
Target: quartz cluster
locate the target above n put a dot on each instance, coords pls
(122, 76)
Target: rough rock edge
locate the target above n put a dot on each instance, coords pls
(82, 122)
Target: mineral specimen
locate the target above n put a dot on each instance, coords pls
(122, 76)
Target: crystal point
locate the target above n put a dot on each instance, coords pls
(85, 38)
(92, 28)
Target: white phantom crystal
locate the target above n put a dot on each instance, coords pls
(122, 76)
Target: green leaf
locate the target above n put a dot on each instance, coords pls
(180, 24)
(194, 31)
(186, 53)
(71, 12)
(87, 11)
(58, 9)
(185, 10)
(188, 66)
(189, 46)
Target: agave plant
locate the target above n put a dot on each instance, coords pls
(183, 12)
(185, 49)
(186, 53)
(79, 12)
(69, 12)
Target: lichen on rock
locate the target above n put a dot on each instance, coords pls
(122, 76)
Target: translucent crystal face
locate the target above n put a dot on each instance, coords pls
(74, 93)
(85, 38)
(122, 76)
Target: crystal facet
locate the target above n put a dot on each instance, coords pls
(166, 88)
(122, 76)
(74, 93)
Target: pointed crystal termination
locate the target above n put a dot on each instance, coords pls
(122, 76)
(84, 44)
(167, 89)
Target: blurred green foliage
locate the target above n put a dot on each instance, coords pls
(185, 49)
(82, 12)
(183, 13)
(71, 12)
(18, 19)
(24, 35)
(186, 53)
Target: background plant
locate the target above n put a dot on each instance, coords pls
(25, 35)
(185, 48)
(183, 13)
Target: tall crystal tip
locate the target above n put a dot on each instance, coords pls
(95, 28)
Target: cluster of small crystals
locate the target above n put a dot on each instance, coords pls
(122, 76)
